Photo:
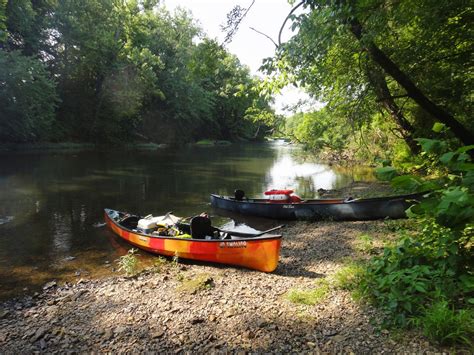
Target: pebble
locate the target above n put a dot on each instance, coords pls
(49, 285)
(40, 332)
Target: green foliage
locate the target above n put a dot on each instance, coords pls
(196, 283)
(129, 262)
(447, 325)
(27, 98)
(428, 40)
(386, 173)
(159, 264)
(321, 130)
(3, 21)
(365, 243)
(175, 261)
(427, 279)
(124, 69)
(349, 276)
(310, 297)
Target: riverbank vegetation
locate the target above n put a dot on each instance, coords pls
(389, 73)
(116, 71)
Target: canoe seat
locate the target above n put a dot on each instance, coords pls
(129, 221)
(239, 195)
(200, 227)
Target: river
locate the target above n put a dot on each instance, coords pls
(51, 203)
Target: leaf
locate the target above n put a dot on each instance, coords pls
(467, 282)
(465, 149)
(386, 173)
(429, 186)
(438, 127)
(466, 166)
(420, 288)
(434, 146)
(468, 179)
(408, 183)
(446, 158)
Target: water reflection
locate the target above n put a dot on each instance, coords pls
(51, 203)
(304, 178)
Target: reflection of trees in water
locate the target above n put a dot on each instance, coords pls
(296, 153)
(305, 186)
(357, 173)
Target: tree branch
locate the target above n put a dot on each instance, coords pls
(263, 34)
(392, 97)
(286, 19)
(234, 18)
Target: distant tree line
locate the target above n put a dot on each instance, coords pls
(114, 70)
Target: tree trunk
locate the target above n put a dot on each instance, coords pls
(384, 96)
(412, 90)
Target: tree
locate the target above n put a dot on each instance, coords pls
(27, 98)
(237, 107)
(3, 22)
(402, 59)
(123, 69)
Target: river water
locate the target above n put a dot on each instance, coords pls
(51, 204)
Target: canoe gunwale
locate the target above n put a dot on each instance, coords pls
(331, 201)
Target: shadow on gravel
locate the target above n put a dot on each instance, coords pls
(307, 245)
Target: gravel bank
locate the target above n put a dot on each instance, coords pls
(202, 308)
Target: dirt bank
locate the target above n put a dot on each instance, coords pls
(201, 308)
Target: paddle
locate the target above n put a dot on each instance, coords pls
(268, 230)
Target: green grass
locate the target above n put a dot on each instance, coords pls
(197, 283)
(312, 296)
(446, 325)
(209, 142)
(365, 243)
(205, 142)
(144, 146)
(348, 277)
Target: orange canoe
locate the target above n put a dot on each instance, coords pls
(254, 251)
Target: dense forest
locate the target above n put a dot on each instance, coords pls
(111, 71)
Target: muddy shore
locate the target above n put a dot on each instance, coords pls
(187, 307)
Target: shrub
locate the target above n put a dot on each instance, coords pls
(427, 278)
(129, 262)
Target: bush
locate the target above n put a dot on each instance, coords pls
(427, 279)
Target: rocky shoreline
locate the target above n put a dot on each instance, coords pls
(187, 307)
